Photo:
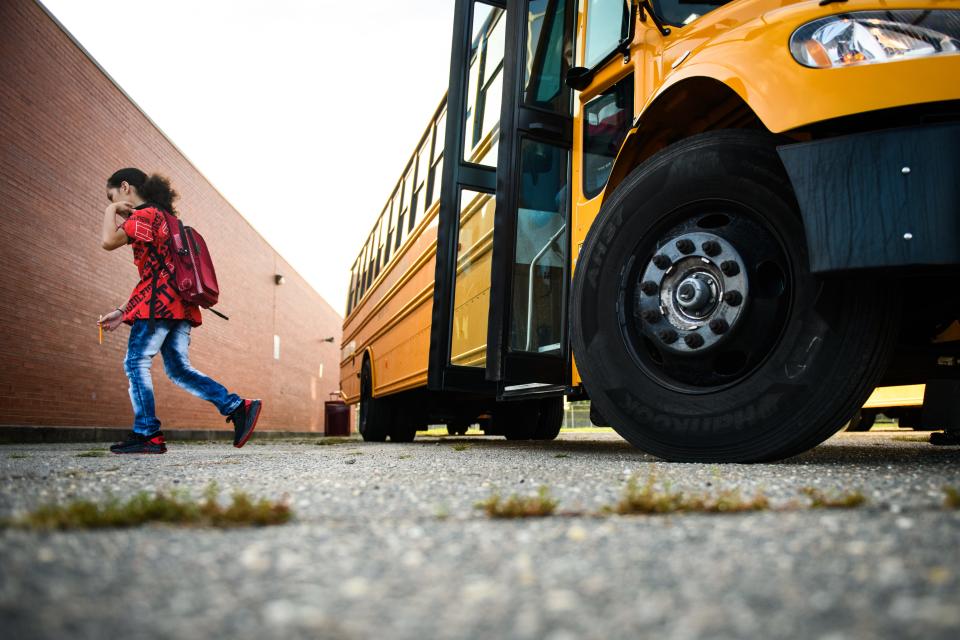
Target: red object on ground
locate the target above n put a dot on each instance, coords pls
(336, 418)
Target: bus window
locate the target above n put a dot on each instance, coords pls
(408, 200)
(363, 270)
(353, 279)
(608, 23)
(419, 194)
(382, 238)
(391, 229)
(606, 120)
(436, 166)
(377, 249)
(485, 85)
(369, 273)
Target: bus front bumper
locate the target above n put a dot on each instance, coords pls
(886, 198)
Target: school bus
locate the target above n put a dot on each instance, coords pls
(724, 223)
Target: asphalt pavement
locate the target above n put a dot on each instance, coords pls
(386, 542)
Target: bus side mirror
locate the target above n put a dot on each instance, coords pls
(578, 78)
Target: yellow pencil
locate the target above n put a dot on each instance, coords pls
(100, 327)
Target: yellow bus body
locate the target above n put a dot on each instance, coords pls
(741, 47)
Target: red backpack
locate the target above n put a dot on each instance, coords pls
(193, 274)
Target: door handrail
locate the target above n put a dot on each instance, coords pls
(533, 263)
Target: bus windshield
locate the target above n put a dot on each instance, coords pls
(682, 12)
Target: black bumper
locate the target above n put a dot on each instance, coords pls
(881, 199)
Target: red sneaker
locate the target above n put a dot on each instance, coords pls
(136, 443)
(244, 420)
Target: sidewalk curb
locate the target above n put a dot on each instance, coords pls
(10, 434)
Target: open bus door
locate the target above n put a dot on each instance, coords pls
(503, 242)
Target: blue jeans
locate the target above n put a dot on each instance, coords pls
(171, 338)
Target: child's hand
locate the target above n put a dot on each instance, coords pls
(122, 209)
(112, 320)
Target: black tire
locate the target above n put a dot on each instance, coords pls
(862, 420)
(517, 420)
(800, 355)
(375, 416)
(911, 418)
(457, 429)
(550, 420)
(403, 433)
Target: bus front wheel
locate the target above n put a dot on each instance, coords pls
(698, 329)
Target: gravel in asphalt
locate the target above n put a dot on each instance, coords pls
(386, 542)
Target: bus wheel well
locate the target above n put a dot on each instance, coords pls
(687, 108)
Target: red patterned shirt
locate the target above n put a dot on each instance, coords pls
(147, 227)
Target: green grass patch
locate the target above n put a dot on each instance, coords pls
(952, 499)
(911, 438)
(17, 456)
(649, 499)
(538, 506)
(562, 455)
(173, 508)
(822, 500)
(92, 453)
(332, 440)
(460, 447)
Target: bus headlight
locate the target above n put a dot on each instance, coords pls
(865, 37)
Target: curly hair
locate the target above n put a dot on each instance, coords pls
(154, 188)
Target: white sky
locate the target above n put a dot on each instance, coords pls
(302, 113)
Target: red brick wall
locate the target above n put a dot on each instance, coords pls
(65, 127)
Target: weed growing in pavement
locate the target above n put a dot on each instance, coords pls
(821, 500)
(461, 447)
(911, 438)
(516, 506)
(16, 456)
(328, 441)
(952, 499)
(651, 500)
(404, 456)
(562, 455)
(174, 508)
(92, 453)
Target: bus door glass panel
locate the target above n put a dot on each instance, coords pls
(485, 85)
(606, 120)
(471, 290)
(608, 23)
(471, 296)
(546, 60)
(540, 254)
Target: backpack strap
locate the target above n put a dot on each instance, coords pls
(153, 287)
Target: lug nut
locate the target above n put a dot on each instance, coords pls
(649, 287)
(711, 248)
(651, 315)
(719, 326)
(685, 246)
(733, 298)
(668, 336)
(693, 340)
(729, 268)
(661, 261)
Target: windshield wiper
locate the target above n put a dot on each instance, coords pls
(645, 4)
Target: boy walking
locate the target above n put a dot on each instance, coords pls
(160, 320)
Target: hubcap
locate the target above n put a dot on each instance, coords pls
(706, 296)
(690, 298)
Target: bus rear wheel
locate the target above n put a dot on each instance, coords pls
(698, 329)
(375, 416)
(550, 419)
